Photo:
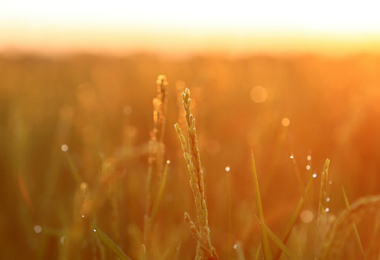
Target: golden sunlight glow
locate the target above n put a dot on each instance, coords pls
(234, 27)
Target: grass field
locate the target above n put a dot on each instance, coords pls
(92, 167)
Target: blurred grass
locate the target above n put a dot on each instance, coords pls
(101, 107)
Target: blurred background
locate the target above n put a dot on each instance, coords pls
(77, 80)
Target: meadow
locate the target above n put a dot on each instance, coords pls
(92, 166)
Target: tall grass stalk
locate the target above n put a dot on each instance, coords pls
(229, 217)
(156, 152)
(192, 157)
(284, 249)
(354, 225)
(264, 236)
(109, 243)
(322, 208)
(294, 218)
(342, 226)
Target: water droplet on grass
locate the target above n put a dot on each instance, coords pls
(308, 167)
(328, 199)
(314, 175)
(292, 156)
(168, 162)
(227, 168)
(327, 209)
(235, 246)
(95, 230)
(308, 157)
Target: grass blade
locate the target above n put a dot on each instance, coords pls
(264, 236)
(73, 169)
(160, 192)
(301, 185)
(323, 195)
(294, 218)
(178, 249)
(109, 243)
(278, 242)
(354, 225)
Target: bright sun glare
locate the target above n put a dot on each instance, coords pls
(183, 26)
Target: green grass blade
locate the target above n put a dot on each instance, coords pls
(109, 243)
(264, 236)
(354, 225)
(278, 242)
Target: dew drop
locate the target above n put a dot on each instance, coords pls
(227, 168)
(95, 230)
(62, 240)
(328, 199)
(64, 148)
(308, 167)
(314, 175)
(83, 216)
(168, 162)
(308, 157)
(37, 229)
(292, 156)
(330, 182)
(235, 246)
(327, 209)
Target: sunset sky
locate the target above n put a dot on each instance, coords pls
(185, 27)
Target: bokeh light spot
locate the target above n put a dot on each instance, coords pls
(127, 110)
(64, 148)
(285, 121)
(258, 94)
(37, 229)
(306, 216)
